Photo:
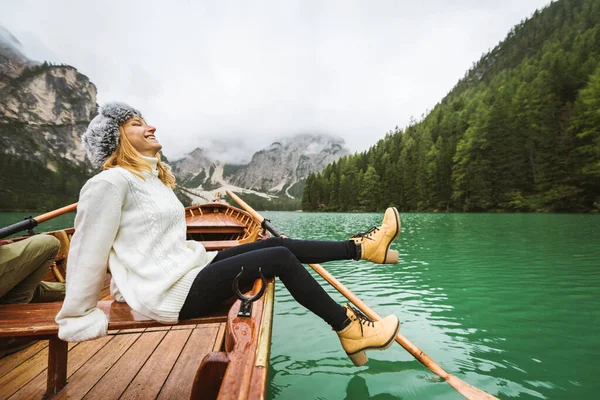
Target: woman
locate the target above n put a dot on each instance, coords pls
(129, 218)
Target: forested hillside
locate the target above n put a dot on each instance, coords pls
(520, 132)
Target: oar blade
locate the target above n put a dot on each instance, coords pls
(468, 391)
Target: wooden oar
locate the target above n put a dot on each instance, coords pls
(30, 223)
(462, 387)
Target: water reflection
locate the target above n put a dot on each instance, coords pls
(357, 390)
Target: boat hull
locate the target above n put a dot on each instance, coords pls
(232, 361)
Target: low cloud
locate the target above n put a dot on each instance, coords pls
(248, 73)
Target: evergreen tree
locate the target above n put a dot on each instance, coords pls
(306, 194)
(370, 189)
(586, 125)
(518, 133)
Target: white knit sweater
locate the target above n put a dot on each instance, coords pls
(137, 226)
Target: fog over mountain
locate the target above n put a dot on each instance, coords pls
(254, 72)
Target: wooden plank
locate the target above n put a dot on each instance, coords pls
(78, 355)
(180, 380)
(114, 383)
(151, 377)
(38, 318)
(160, 328)
(105, 294)
(225, 221)
(125, 331)
(10, 362)
(218, 345)
(84, 351)
(260, 369)
(23, 374)
(186, 326)
(213, 220)
(92, 371)
(21, 317)
(230, 230)
(212, 245)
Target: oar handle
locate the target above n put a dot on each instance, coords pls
(266, 224)
(249, 209)
(56, 213)
(30, 223)
(462, 387)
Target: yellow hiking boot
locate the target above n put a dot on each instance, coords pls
(363, 334)
(374, 245)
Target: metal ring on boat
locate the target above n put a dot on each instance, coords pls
(246, 306)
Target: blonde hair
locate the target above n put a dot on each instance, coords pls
(127, 157)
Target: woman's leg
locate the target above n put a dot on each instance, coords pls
(212, 286)
(306, 251)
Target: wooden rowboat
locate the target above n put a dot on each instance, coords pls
(222, 356)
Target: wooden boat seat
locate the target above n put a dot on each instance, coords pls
(36, 320)
(211, 245)
(214, 223)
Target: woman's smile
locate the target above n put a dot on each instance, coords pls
(142, 136)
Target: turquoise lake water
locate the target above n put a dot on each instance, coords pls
(510, 303)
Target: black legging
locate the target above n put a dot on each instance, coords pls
(279, 257)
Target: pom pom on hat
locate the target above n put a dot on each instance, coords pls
(101, 138)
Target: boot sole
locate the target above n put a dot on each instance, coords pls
(360, 357)
(391, 256)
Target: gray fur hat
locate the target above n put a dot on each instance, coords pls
(101, 138)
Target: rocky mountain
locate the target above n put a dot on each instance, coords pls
(284, 164)
(276, 171)
(43, 110)
(196, 169)
(12, 59)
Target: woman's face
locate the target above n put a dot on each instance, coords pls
(141, 136)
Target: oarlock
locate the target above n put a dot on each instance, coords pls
(246, 306)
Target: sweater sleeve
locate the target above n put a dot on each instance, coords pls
(96, 225)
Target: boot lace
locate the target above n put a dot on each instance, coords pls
(362, 318)
(366, 235)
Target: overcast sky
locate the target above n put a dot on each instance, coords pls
(249, 72)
